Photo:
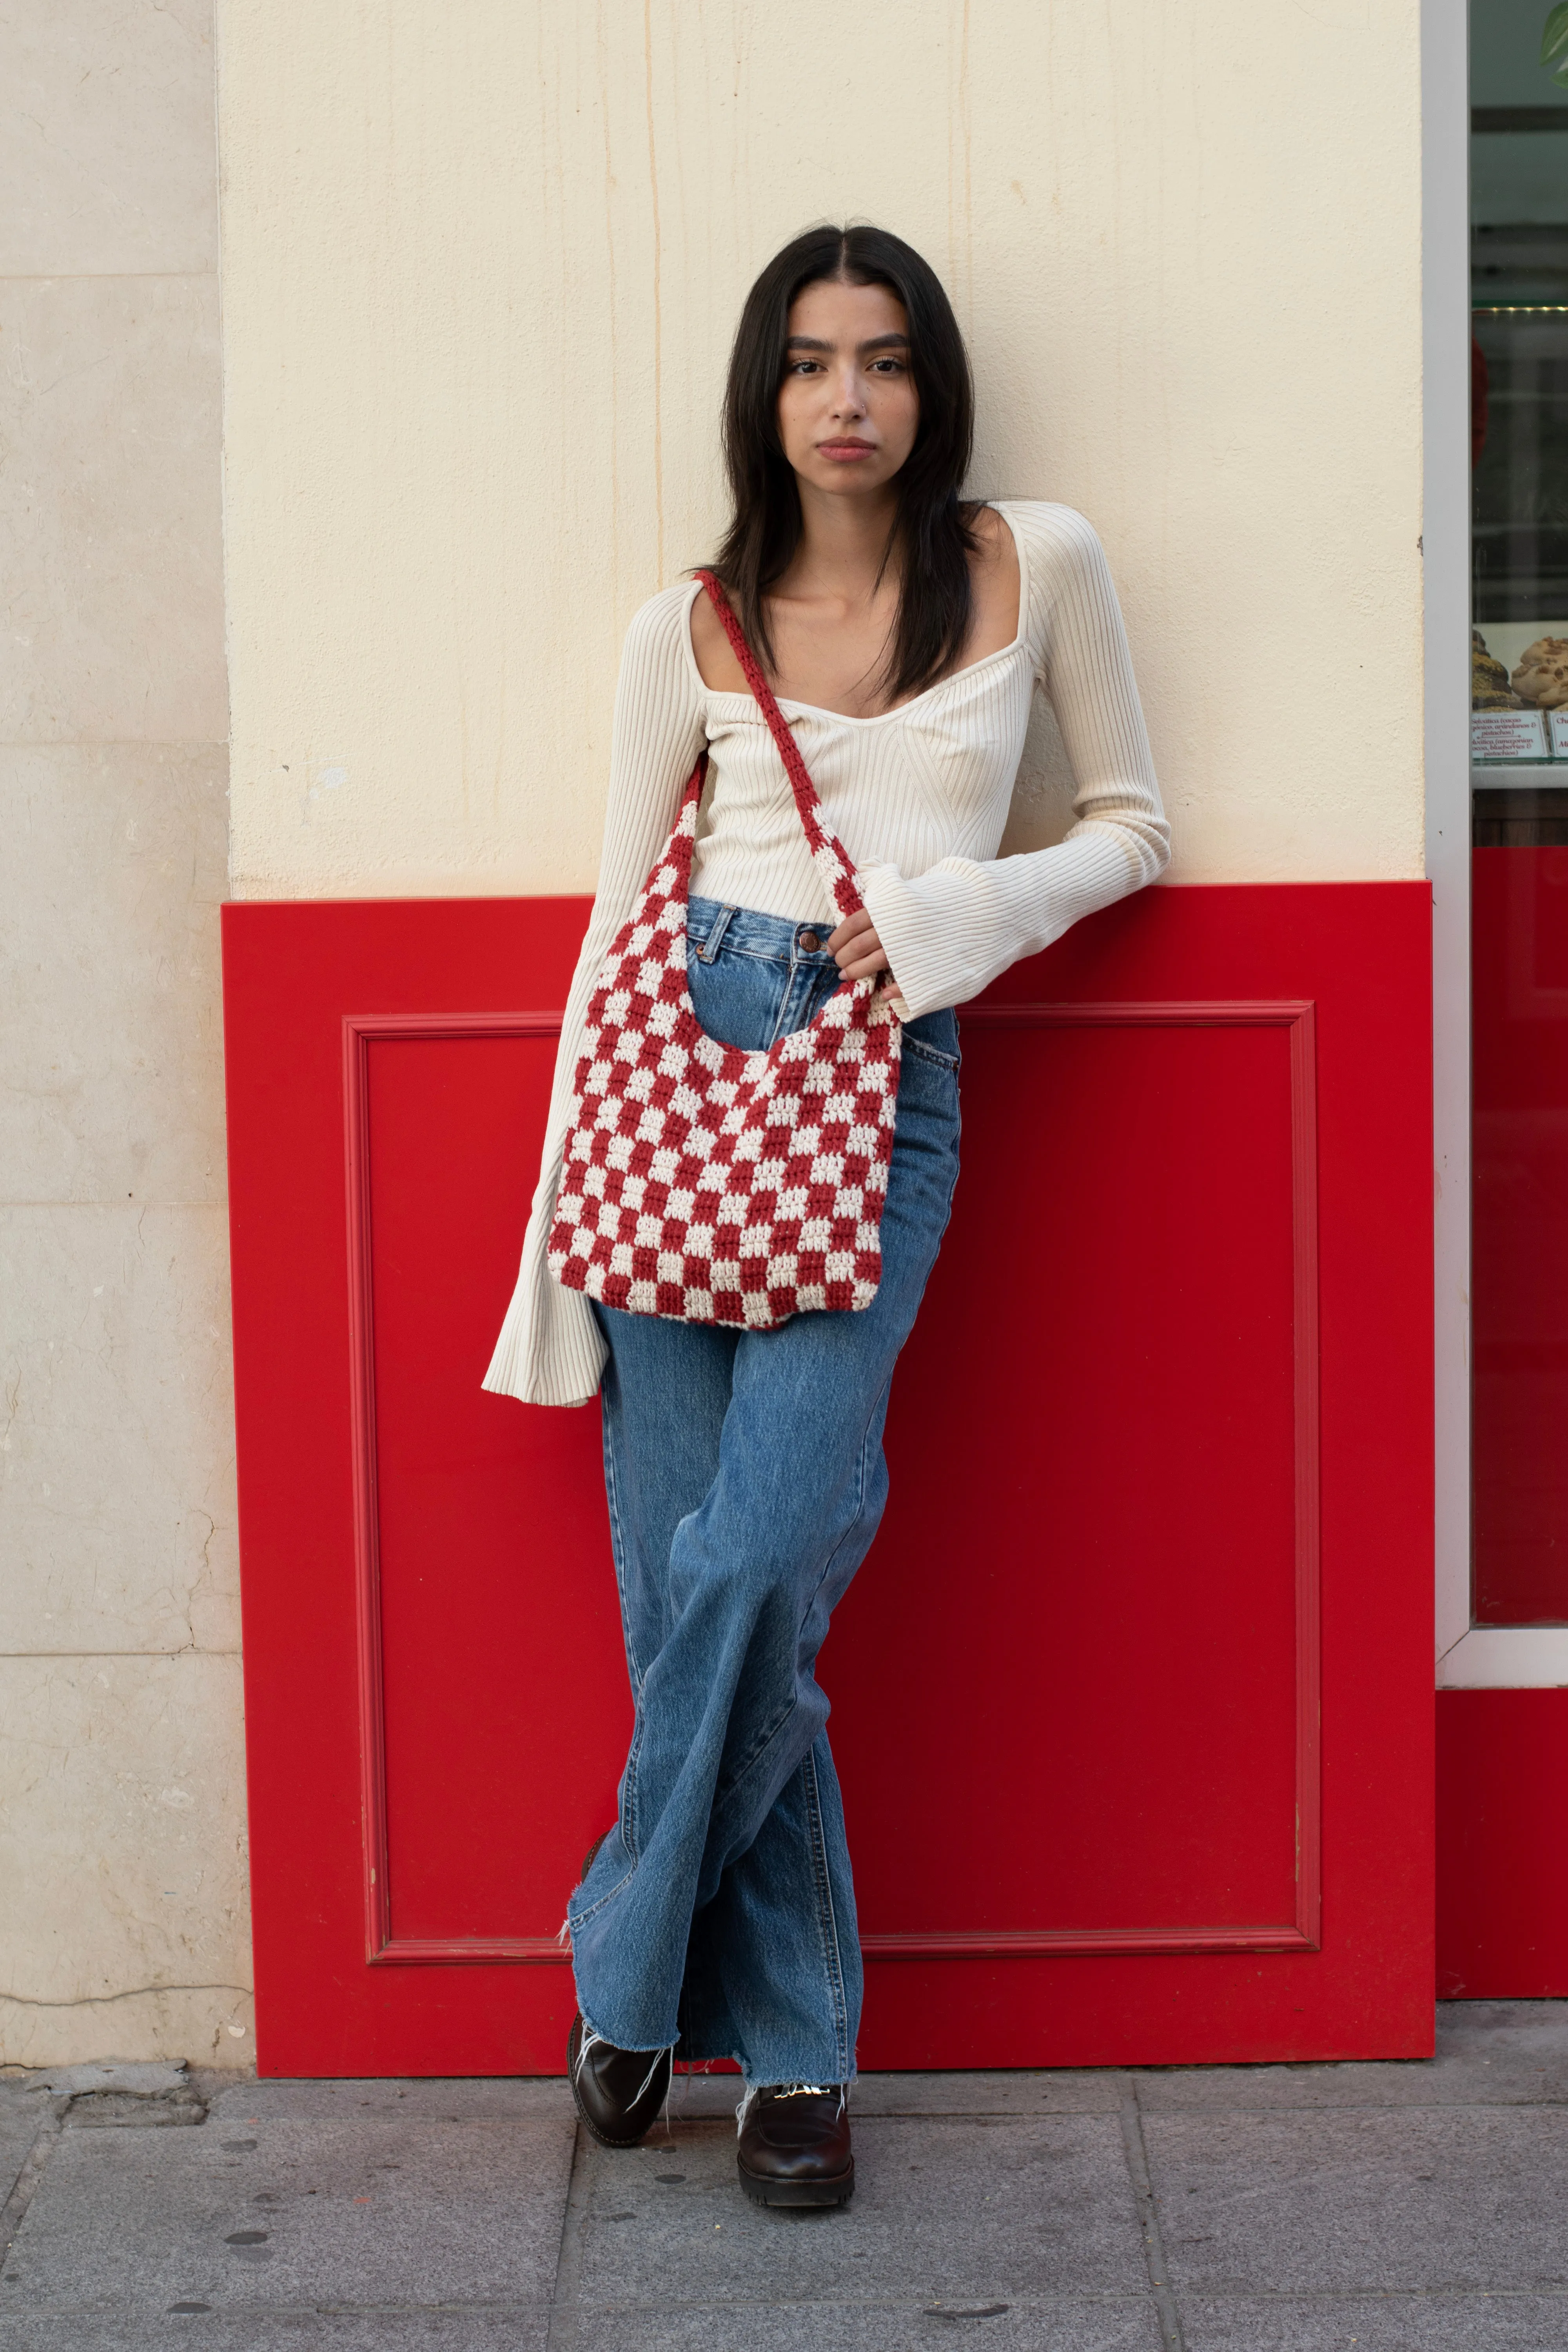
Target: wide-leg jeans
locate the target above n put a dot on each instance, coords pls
(745, 1478)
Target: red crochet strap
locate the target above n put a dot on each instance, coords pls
(819, 833)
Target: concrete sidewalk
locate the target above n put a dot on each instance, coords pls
(1269, 2209)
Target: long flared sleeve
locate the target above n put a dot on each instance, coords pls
(949, 931)
(550, 1351)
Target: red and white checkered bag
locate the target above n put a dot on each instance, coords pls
(703, 1182)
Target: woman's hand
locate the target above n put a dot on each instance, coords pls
(858, 951)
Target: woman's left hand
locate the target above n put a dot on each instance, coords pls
(858, 951)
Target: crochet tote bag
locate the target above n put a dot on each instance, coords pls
(703, 1183)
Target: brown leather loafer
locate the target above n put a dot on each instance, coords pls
(618, 2092)
(794, 2145)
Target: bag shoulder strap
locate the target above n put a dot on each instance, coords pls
(831, 858)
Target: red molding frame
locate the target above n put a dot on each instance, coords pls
(359, 1030)
(1303, 1934)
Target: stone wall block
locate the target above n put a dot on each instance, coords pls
(125, 1927)
(110, 561)
(117, 1506)
(107, 162)
(111, 1051)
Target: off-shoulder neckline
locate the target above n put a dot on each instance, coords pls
(900, 709)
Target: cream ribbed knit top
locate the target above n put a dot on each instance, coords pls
(919, 796)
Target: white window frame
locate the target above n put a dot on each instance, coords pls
(1469, 1656)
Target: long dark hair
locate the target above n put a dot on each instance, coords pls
(932, 535)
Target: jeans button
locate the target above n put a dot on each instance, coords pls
(810, 942)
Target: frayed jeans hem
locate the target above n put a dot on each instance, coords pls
(636, 2049)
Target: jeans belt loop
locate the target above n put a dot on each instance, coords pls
(710, 945)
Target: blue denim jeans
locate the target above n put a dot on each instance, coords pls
(745, 1478)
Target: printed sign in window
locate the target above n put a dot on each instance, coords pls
(1511, 734)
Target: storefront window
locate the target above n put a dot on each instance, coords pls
(1519, 737)
(1519, 656)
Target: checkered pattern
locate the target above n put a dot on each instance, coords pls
(706, 1183)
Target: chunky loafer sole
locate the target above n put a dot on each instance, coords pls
(836, 2188)
(596, 2131)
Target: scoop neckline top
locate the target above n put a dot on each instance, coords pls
(900, 709)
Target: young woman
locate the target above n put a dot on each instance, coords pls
(903, 631)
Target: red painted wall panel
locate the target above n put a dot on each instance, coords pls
(1520, 925)
(1094, 1599)
(1502, 1888)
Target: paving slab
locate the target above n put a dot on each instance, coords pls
(1087, 2092)
(296, 2213)
(1508, 2048)
(944, 2210)
(145, 2078)
(251, 2330)
(1488, 2053)
(1457, 2197)
(22, 2111)
(1090, 2092)
(1410, 2323)
(1071, 2324)
(427, 2099)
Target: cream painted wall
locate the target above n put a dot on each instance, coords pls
(481, 266)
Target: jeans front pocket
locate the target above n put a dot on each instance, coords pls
(922, 1052)
(933, 1037)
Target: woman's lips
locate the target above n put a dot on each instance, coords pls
(844, 453)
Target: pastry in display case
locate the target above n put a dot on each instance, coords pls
(1490, 686)
(1506, 723)
(1541, 676)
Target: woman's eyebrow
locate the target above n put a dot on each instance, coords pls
(889, 341)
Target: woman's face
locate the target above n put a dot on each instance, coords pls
(848, 410)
